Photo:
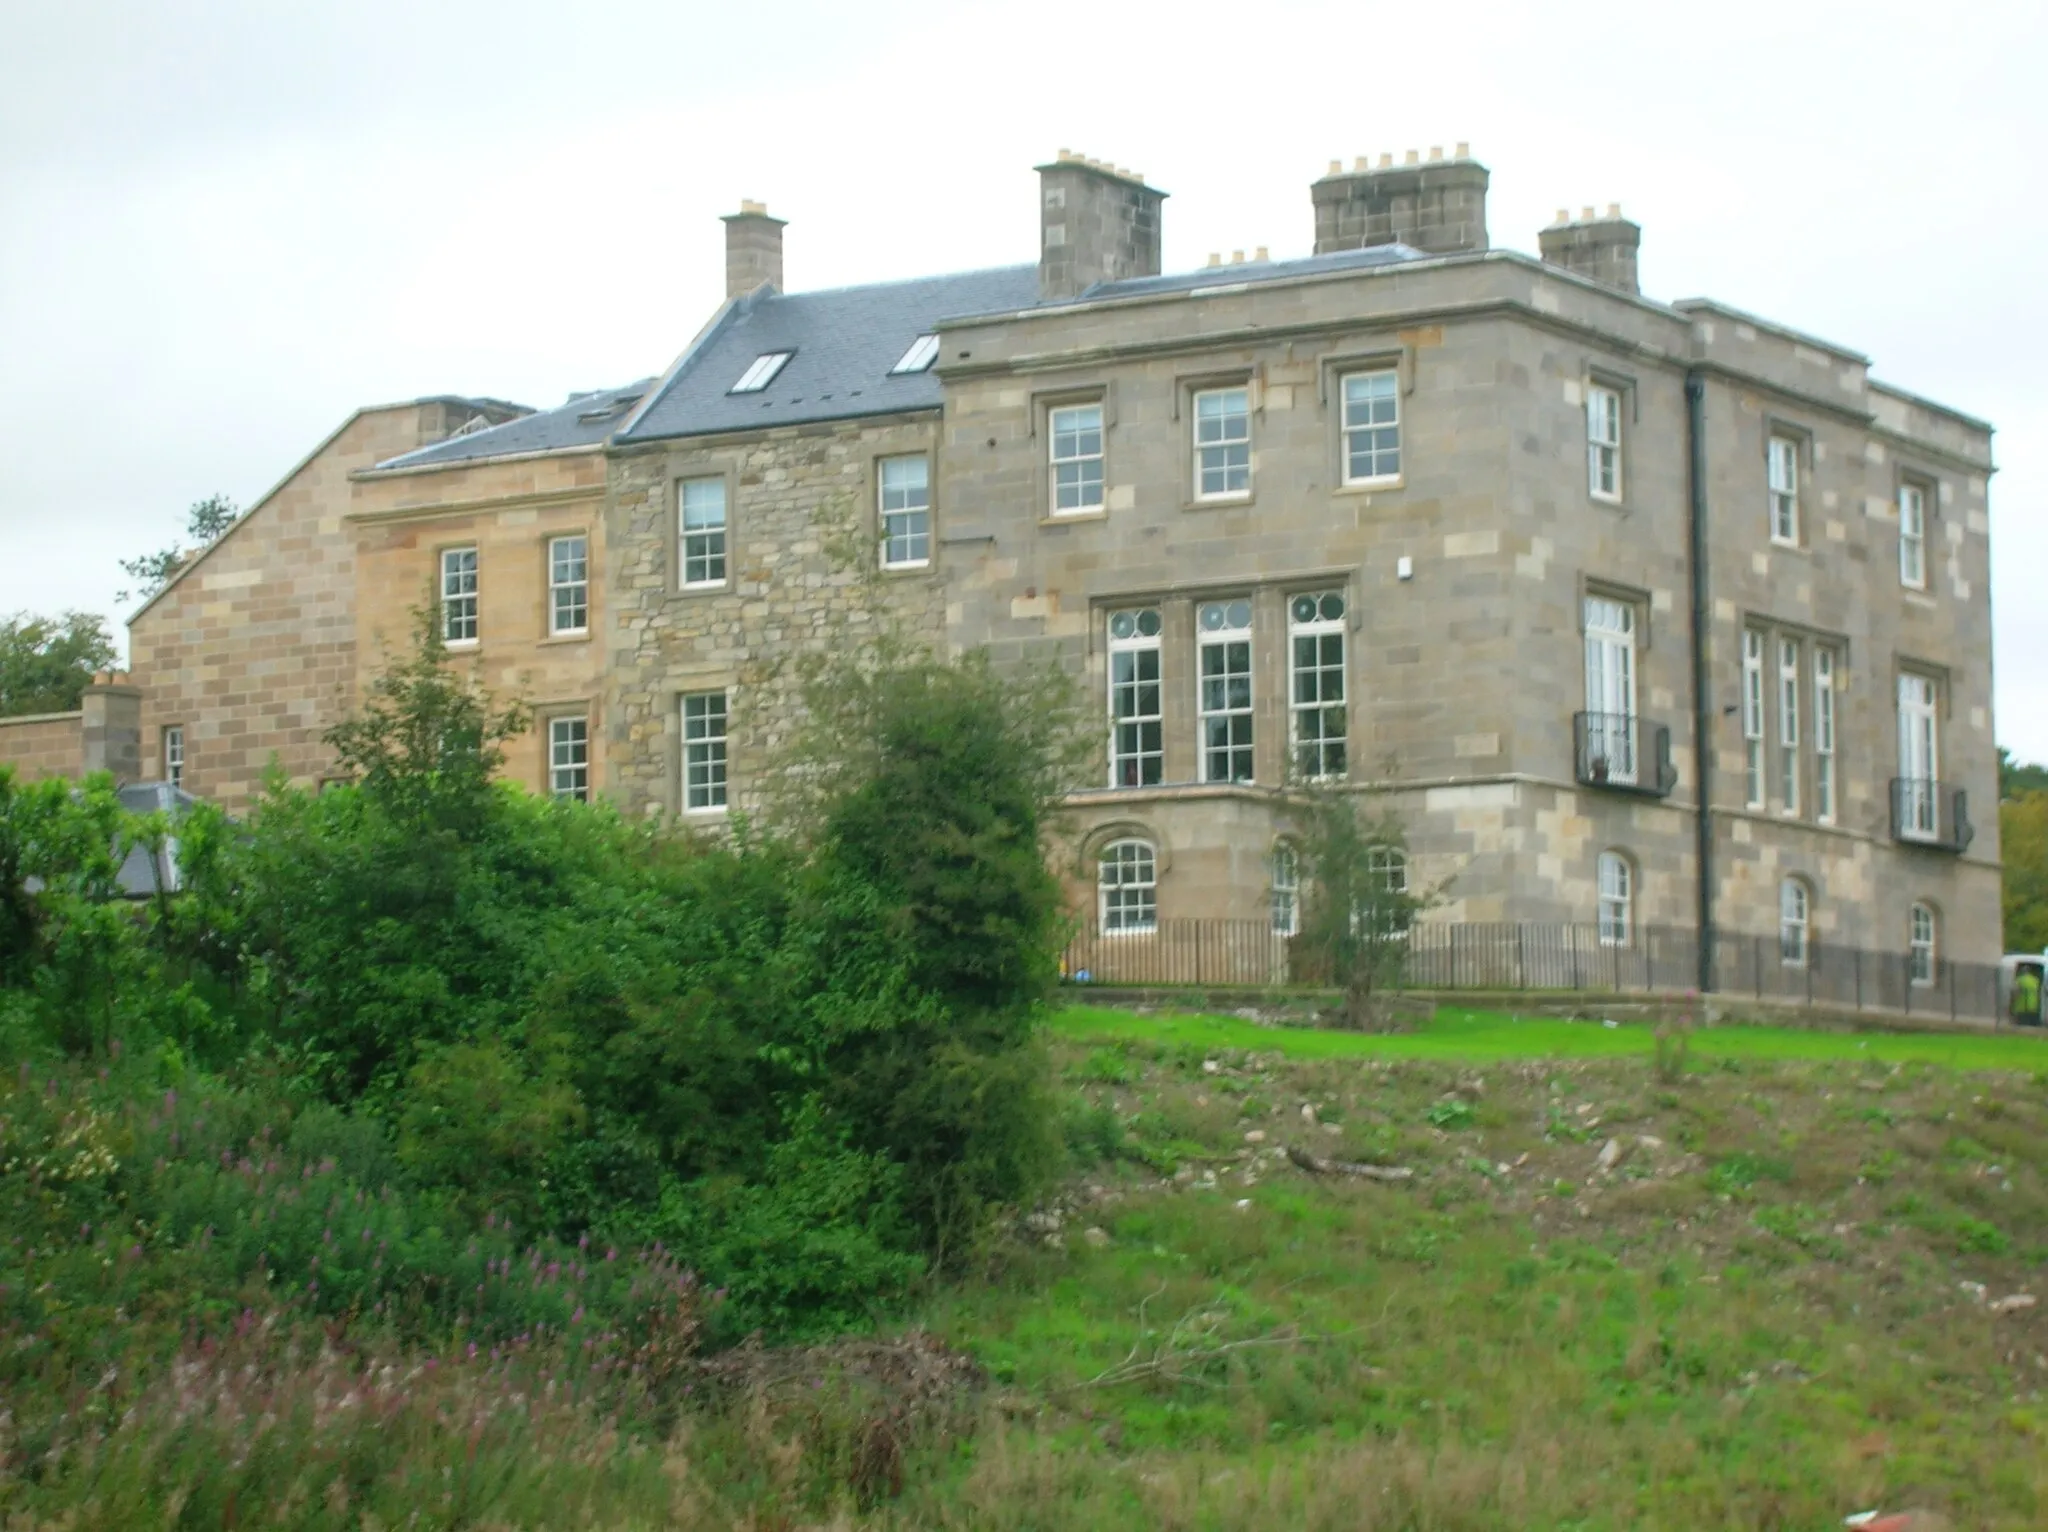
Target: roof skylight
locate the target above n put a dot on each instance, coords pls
(761, 373)
(922, 353)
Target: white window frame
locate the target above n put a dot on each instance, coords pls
(706, 724)
(1224, 689)
(1788, 724)
(461, 597)
(174, 754)
(1137, 731)
(1071, 461)
(1388, 867)
(1127, 888)
(1312, 759)
(904, 510)
(568, 585)
(1603, 442)
(761, 372)
(1610, 627)
(569, 757)
(919, 358)
(1286, 890)
(1919, 706)
(1616, 879)
(1370, 424)
(1912, 535)
(1783, 457)
(1222, 423)
(1923, 934)
(1825, 804)
(703, 551)
(1795, 923)
(1753, 716)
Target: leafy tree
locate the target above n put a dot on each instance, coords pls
(2023, 842)
(1358, 900)
(205, 522)
(46, 663)
(2016, 777)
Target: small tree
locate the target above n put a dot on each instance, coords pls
(1359, 903)
(204, 523)
(46, 663)
(425, 738)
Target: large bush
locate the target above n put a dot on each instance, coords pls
(800, 1058)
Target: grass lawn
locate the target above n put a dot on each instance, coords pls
(1773, 1302)
(1480, 1035)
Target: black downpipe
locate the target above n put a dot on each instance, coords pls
(1702, 693)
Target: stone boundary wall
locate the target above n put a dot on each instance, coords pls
(39, 745)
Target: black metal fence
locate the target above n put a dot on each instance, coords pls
(1563, 958)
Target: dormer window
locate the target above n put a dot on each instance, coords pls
(922, 353)
(762, 372)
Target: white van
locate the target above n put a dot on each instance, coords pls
(2010, 967)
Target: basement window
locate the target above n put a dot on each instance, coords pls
(762, 372)
(922, 353)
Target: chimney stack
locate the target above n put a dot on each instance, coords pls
(1097, 223)
(110, 733)
(1437, 205)
(753, 249)
(1601, 248)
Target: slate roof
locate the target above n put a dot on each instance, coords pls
(137, 878)
(1241, 273)
(584, 420)
(846, 339)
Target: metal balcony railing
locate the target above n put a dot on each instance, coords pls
(1623, 752)
(1931, 813)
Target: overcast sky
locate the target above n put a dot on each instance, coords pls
(225, 225)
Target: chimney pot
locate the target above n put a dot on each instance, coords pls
(1464, 150)
(1614, 210)
(1336, 168)
(1215, 257)
(1564, 215)
(1260, 254)
(1360, 165)
(1386, 160)
(1237, 257)
(1411, 158)
(753, 249)
(1586, 215)
(1436, 151)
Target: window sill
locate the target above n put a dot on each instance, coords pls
(1782, 546)
(1612, 502)
(897, 571)
(574, 636)
(1371, 486)
(722, 588)
(1218, 502)
(712, 813)
(462, 645)
(1068, 518)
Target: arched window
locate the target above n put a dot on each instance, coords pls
(1617, 899)
(1127, 885)
(1286, 890)
(1388, 868)
(1795, 912)
(1920, 944)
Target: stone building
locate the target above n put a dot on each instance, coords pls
(1640, 614)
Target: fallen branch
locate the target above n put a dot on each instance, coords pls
(1188, 1349)
(1316, 1165)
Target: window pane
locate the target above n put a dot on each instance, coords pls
(1372, 433)
(704, 751)
(568, 585)
(1223, 433)
(458, 595)
(1127, 885)
(904, 486)
(1316, 686)
(569, 758)
(1076, 447)
(702, 515)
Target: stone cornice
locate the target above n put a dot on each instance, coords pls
(524, 500)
